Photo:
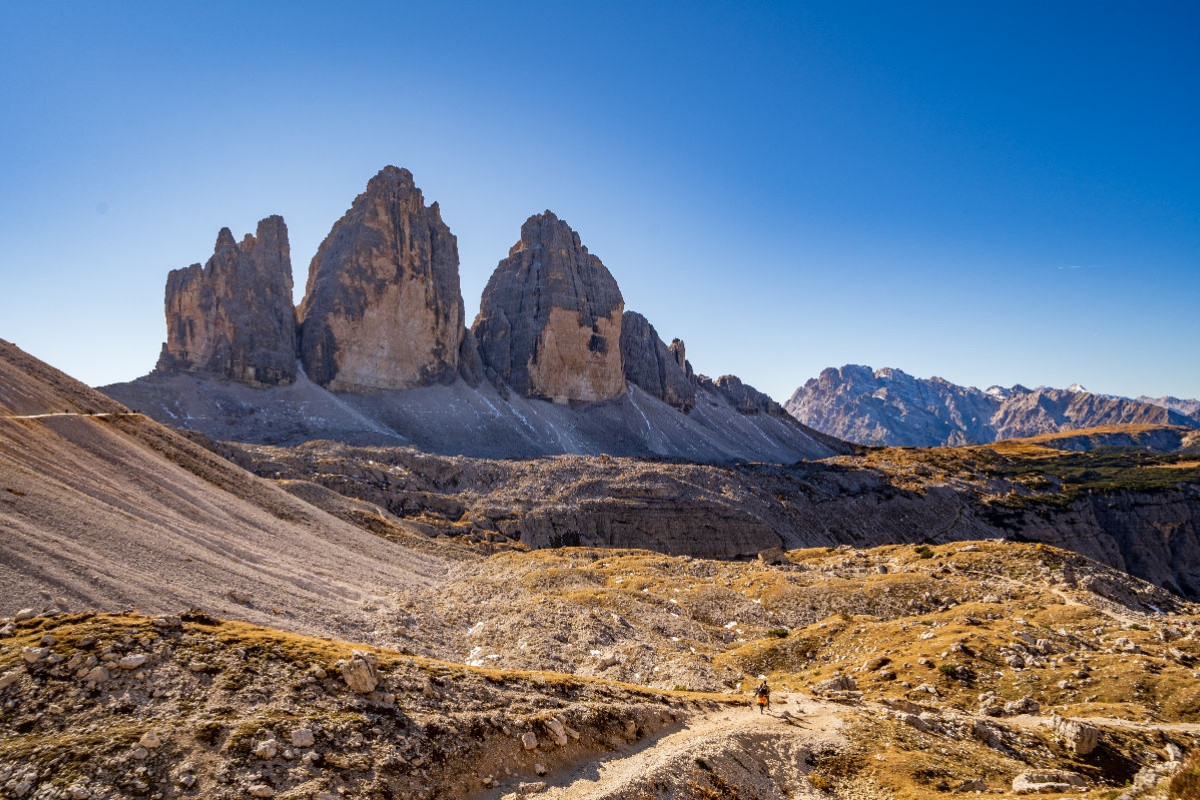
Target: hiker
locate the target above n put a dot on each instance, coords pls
(763, 695)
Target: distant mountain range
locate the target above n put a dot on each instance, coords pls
(890, 407)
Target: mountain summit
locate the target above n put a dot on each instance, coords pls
(382, 308)
(549, 322)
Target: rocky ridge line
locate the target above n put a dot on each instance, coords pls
(888, 407)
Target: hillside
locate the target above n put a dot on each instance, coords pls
(164, 607)
(103, 508)
(479, 421)
(888, 407)
(898, 672)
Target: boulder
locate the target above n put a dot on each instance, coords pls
(150, 740)
(267, 750)
(842, 683)
(359, 672)
(32, 655)
(549, 322)
(659, 370)
(382, 308)
(1080, 737)
(97, 675)
(1047, 780)
(233, 318)
(557, 731)
(1026, 705)
(772, 556)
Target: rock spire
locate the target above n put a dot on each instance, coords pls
(233, 318)
(383, 308)
(549, 322)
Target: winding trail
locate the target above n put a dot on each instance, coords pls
(758, 753)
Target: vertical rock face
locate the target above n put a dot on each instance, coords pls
(549, 322)
(233, 318)
(649, 363)
(383, 308)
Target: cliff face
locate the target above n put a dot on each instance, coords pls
(233, 317)
(649, 363)
(382, 308)
(549, 322)
(890, 407)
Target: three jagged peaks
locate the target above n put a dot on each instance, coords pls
(383, 310)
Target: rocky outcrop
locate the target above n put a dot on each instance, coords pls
(890, 407)
(383, 308)
(649, 363)
(745, 398)
(233, 318)
(549, 323)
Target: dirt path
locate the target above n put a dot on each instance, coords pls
(764, 753)
(72, 414)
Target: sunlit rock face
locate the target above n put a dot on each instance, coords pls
(549, 323)
(233, 317)
(383, 308)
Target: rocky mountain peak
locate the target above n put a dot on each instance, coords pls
(549, 322)
(383, 308)
(547, 230)
(391, 176)
(225, 240)
(233, 318)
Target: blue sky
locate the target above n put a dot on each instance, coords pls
(992, 192)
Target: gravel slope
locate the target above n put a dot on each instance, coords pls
(461, 420)
(118, 511)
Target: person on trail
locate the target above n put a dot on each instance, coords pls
(763, 696)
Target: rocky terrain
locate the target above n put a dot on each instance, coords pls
(102, 508)
(480, 421)
(385, 358)
(977, 667)
(340, 583)
(891, 408)
(658, 369)
(1126, 496)
(233, 317)
(158, 608)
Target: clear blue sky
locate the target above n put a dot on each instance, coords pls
(992, 192)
